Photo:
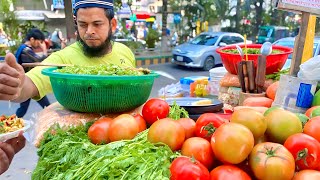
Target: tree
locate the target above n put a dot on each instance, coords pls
(238, 17)
(258, 4)
(9, 18)
(212, 11)
(70, 26)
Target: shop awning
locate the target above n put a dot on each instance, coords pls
(143, 14)
(151, 19)
(34, 15)
(31, 15)
(53, 15)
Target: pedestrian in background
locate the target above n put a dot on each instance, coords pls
(57, 39)
(25, 54)
(3, 36)
(95, 24)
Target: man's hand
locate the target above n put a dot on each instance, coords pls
(11, 78)
(8, 149)
(17, 143)
(44, 48)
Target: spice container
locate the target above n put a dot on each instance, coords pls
(216, 74)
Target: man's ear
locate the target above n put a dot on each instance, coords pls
(113, 25)
(75, 20)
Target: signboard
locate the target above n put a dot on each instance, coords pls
(306, 8)
(310, 6)
(58, 4)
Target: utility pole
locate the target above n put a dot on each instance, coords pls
(69, 19)
(164, 38)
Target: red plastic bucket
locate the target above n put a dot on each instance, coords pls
(274, 61)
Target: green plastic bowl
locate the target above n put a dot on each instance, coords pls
(99, 93)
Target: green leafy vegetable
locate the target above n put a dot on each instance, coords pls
(103, 69)
(70, 155)
(250, 51)
(276, 76)
(176, 112)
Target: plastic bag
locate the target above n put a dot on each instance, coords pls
(172, 90)
(229, 80)
(57, 114)
(310, 70)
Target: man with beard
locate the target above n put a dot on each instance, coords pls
(95, 24)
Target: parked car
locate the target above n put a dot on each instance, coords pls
(272, 33)
(201, 52)
(289, 42)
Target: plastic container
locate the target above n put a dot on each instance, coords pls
(185, 83)
(185, 86)
(98, 93)
(216, 74)
(274, 62)
(295, 94)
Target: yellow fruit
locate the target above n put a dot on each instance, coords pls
(202, 102)
(252, 119)
(282, 124)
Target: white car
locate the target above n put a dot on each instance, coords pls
(289, 42)
(200, 52)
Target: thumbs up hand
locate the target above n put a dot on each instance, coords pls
(12, 78)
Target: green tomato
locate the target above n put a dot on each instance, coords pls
(303, 118)
(271, 109)
(315, 112)
(281, 124)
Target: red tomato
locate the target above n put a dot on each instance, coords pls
(186, 168)
(155, 109)
(307, 175)
(305, 150)
(271, 161)
(232, 143)
(200, 149)
(226, 116)
(98, 131)
(228, 172)
(189, 125)
(167, 131)
(207, 123)
(141, 122)
(122, 127)
(312, 128)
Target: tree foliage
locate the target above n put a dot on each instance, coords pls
(15, 29)
(257, 12)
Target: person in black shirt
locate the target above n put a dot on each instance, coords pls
(26, 54)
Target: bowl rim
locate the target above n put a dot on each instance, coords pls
(286, 50)
(50, 72)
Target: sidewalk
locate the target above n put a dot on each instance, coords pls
(146, 57)
(154, 56)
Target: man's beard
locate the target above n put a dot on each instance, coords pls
(98, 51)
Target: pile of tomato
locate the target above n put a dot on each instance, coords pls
(277, 145)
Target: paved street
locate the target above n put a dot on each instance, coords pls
(25, 161)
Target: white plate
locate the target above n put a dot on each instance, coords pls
(10, 135)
